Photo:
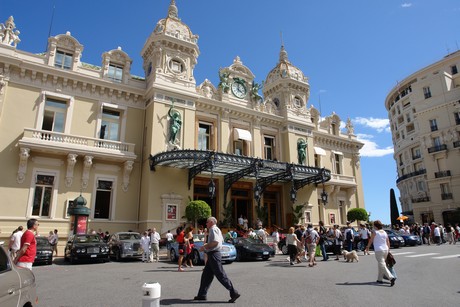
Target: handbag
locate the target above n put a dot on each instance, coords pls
(390, 260)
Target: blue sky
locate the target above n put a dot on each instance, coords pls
(353, 52)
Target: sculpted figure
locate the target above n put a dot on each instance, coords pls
(224, 83)
(175, 123)
(8, 35)
(255, 92)
(301, 151)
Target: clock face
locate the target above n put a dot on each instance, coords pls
(238, 89)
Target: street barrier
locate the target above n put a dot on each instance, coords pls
(151, 294)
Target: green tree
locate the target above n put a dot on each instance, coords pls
(394, 211)
(228, 214)
(197, 210)
(297, 212)
(357, 214)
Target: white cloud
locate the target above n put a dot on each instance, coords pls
(406, 5)
(379, 124)
(371, 148)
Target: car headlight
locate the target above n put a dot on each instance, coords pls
(394, 239)
(225, 248)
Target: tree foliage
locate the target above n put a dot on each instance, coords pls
(197, 210)
(297, 212)
(228, 214)
(357, 214)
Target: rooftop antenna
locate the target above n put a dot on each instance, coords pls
(319, 102)
(51, 22)
(281, 37)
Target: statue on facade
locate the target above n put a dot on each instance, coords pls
(349, 126)
(301, 151)
(224, 83)
(255, 92)
(175, 123)
(8, 35)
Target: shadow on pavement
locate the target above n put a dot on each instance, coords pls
(364, 283)
(173, 301)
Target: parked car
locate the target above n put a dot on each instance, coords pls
(411, 240)
(17, 285)
(228, 251)
(125, 245)
(86, 247)
(44, 253)
(248, 248)
(396, 240)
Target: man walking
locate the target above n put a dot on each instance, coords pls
(15, 242)
(213, 266)
(155, 243)
(26, 255)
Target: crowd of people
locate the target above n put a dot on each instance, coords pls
(432, 233)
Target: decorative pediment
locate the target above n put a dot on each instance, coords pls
(207, 89)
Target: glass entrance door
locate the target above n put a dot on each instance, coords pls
(241, 205)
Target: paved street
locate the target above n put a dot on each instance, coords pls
(427, 276)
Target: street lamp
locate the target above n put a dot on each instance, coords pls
(293, 193)
(211, 188)
(323, 193)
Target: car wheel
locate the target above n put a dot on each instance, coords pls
(196, 257)
(172, 255)
(238, 256)
(284, 249)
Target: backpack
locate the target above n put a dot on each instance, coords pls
(308, 238)
(349, 236)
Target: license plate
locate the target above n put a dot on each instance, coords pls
(93, 256)
(224, 255)
(265, 253)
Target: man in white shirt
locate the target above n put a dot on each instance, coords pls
(169, 239)
(155, 244)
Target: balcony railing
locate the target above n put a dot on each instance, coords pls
(67, 142)
(416, 173)
(445, 196)
(437, 148)
(421, 199)
(456, 144)
(442, 174)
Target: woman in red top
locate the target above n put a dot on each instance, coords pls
(180, 240)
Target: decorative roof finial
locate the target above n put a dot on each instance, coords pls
(172, 11)
(283, 55)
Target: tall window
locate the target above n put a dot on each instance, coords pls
(457, 118)
(103, 199)
(110, 125)
(54, 115)
(239, 147)
(338, 169)
(421, 186)
(63, 60)
(427, 92)
(317, 160)
(43, 195)
(437, 141)
(334, 128)
(445, 189)
(269, 147)
(433, 125)
(453, 69)
(416, 153)
(204, 136)
(115, 73)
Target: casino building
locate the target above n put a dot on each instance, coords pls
(139, 148)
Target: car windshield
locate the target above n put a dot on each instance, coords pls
(42, 241)
(198, 237)
(87, 238)
(129, 236)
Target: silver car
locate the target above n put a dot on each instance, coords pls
(125, 245)
(17, 285)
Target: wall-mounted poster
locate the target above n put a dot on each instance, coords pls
(171, 212)
(331, 218)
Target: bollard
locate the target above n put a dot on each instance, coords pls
(151, 294)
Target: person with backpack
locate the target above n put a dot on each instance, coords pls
(311, 238)
(349, 237)
(322, 240)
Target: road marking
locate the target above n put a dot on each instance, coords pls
(446, 257)
(422, 255)
(405, 253)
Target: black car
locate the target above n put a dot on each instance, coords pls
(44, 253)
(248, 248)
(396, 240)
(411, 239)
(86, 247)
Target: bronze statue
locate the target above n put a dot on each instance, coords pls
(301, 151)
(175, 123)
(255, 92)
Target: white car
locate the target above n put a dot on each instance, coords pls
(17, 285)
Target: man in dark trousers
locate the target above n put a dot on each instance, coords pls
(213, 266)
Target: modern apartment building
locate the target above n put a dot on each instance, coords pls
(424, 113)
(138, 148)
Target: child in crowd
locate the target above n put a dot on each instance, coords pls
(145, 244)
